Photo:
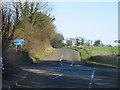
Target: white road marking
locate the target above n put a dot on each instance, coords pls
(77, 65)
(71, 64)
(90, 85)
(55, 74)
(58, 75)
(61, 60)
(62, 56)
(21, 79)
(92, 77)
(17, 84)
(60, 63)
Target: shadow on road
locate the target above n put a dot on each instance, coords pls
(52, 80)
(54, 74)
(58, 63)
(106, 59)
(12, 60)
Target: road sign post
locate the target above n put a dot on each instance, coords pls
(21, 49)
(19, 42)
(16, 48)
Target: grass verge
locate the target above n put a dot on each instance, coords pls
(102, 56)
(93, 63)
(85, 54)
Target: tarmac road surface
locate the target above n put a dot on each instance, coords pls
(63, 69)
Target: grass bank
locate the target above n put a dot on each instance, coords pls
(84, 53)
(102, 56)
(39, 56)
(104, 60)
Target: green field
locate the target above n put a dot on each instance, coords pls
(102, 50)
(105, 56)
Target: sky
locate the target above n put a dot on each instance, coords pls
(90, 20)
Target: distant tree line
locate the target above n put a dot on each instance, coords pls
(57, 41)
(79, 41)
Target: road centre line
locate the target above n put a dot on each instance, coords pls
(71, 64)
(61, 59)
(92, 77)
(62, 56)
(77, 65)
(90, 85)
(23, 77)
(57, 75)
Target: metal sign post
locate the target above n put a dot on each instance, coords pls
(21, 49)
(19, 42)
(16, 48)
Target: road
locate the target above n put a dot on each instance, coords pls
(63, 69)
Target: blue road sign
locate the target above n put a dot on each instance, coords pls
(18, 41)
